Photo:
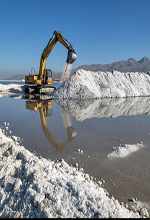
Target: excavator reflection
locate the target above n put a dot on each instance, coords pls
(45, 108)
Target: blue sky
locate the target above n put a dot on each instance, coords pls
(101, 31)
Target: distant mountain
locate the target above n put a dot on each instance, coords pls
(57, 75)
(17, 77)
(131, 65)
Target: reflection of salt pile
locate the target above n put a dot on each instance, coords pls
(124, 150)
(110, 107)
(94, 85)
(66, 72)
(33, 187)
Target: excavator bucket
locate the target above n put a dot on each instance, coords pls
(72, 56)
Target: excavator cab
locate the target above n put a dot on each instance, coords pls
(72, 56)
(47, 76)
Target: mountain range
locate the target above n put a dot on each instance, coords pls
(131, 65)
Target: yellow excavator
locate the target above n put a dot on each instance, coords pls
(45, 108)
(41, 83)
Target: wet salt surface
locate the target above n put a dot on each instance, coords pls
(33, 186)
(97, 136)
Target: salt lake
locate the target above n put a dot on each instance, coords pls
(84, 135)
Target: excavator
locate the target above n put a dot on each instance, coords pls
(45, 108)
(41, 83)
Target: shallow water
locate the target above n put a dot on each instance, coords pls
(6, 82)
(95, 129)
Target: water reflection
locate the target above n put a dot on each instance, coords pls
(111, 107)
(45, 108)
(82, 110)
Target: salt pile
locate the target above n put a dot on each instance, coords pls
(11, 90)
(85, 85)
(124, 150)
(33, 187)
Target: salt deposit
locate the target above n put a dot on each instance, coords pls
(33, 187)
(86, 85)
(66, 72)
(12, 90)
(124, 150)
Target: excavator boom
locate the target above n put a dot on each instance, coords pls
(51, 44)
(45, 108)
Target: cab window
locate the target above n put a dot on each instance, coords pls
(49, 73)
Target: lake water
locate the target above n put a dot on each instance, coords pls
(55, 133)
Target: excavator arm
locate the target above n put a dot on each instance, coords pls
(69, 128)
(51, 44)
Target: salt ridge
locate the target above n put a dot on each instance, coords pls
(124, 150)
(33, 187)
(85, 85)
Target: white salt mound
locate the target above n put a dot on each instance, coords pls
(124, 150)
(33, 187)
(12, 90)
(94, 85)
